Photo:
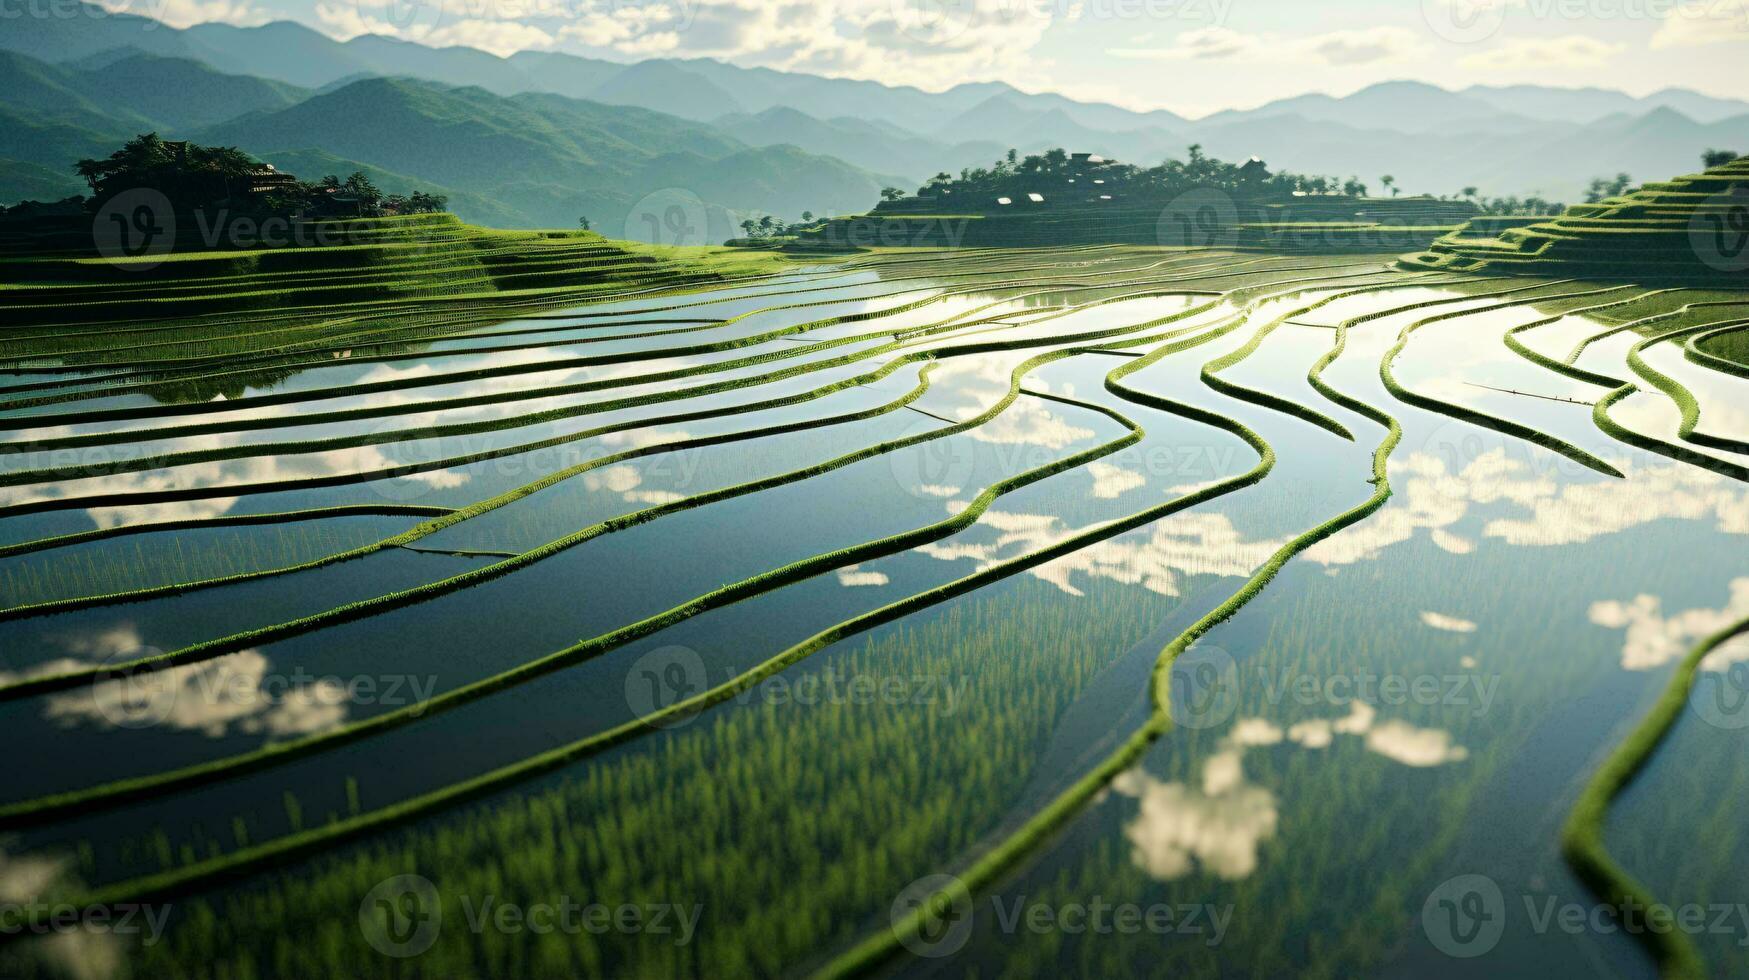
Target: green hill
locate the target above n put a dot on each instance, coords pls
(356, 267)
(545, 159)
(1686, 228)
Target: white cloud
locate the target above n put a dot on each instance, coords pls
(1366, 46)
(1220, 824)
(1527, 54)
(1451, 624)
(1653, 640)
(854, 576)
(1712, 22)
(233, 693)
(1113, 481)
(345, 21)
(187, 13)
(502, 38)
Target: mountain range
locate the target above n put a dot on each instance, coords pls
(540, 138)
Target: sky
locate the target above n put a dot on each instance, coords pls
(1189, 56)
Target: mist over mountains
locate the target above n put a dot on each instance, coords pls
(541, 138)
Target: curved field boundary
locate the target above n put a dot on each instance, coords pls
(880, 946)
(740, 590)
(1568, 367)
(655, 309)
(227, 520)
(1210, 371)
(533, 418)
(293, 845)
(1506, 426)
(1685, 401)
(1639, 440)
(1694, 352)
(278, 398)
(206, 650)
(453, 517)
(481, 506)
(900, 335)
(288, 847)
(1579, 349)
(64, 605)
(1582, 840)
(1621, 389)
(120, 791)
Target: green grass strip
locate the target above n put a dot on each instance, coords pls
(1582, 840)
(1506, 426)
(1700, 355)
(246, 859)
(227, 520)
(1685, 401)
(480, 507)
(879, 947)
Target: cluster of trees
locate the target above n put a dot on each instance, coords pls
(770, 227)
(192, 176)
(1513, 204)
(1014, 174)
(357, 193)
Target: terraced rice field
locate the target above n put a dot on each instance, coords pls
(836, 621)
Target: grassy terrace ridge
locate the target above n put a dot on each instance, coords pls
(1685, 229)
(1278, 228)
(423, 258)
(991, 300)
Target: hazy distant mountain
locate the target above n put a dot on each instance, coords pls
(877, 146)
(666, 87)
(1407, 107)
(1585, 105)
(1659, 144)
(546, 157)
(511, 133)
(182, 94)
(1009, 120)
(115, 94)
(281, 50)
(564, 74)
(22, 181)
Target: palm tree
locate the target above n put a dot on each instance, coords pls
(1390, 184)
